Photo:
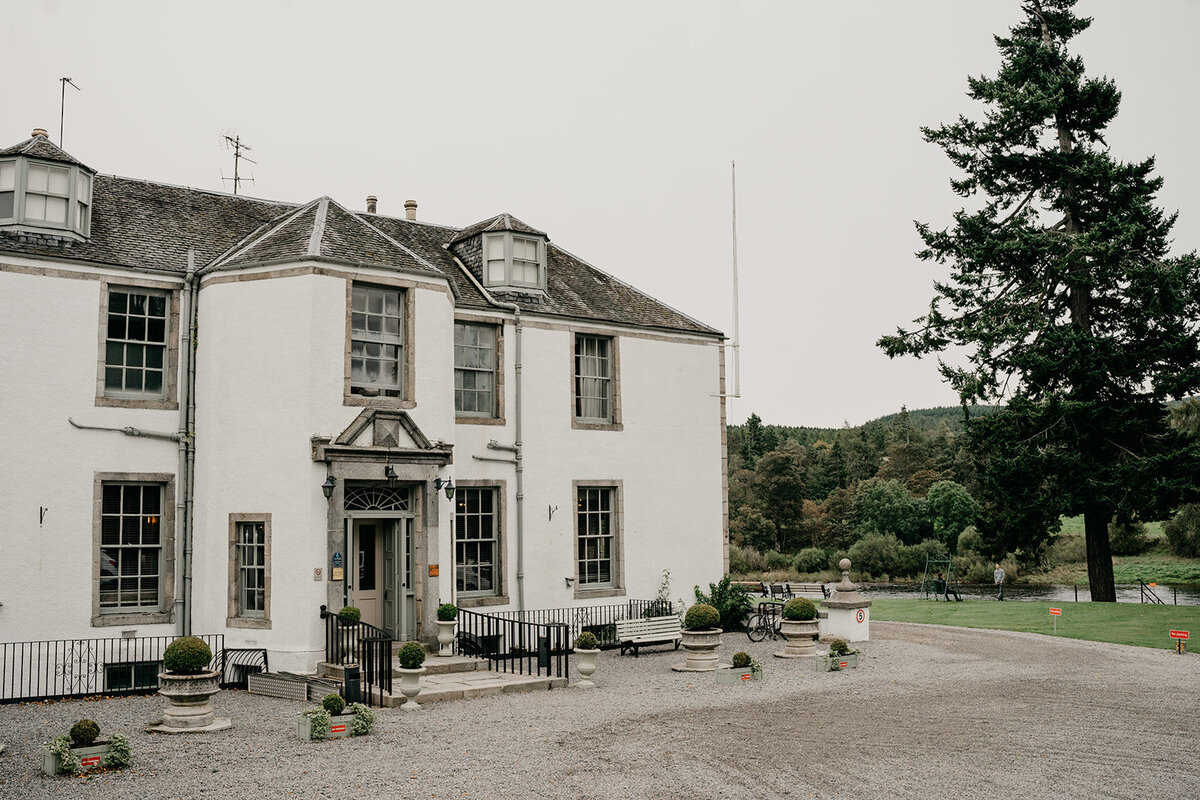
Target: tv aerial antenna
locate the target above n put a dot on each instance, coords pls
(62, 108)
(232, 141)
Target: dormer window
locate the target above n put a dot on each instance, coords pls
(38, 194)
(514, 261)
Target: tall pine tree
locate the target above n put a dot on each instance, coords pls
(1062, 291)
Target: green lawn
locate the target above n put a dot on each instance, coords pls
(1121, 623)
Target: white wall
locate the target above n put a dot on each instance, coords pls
(667, 457)
(49, 346)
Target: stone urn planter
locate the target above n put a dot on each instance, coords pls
(447, 618)
(412, 659)
(189, 687)
(585, 658)
(800, 628)
(701, 638)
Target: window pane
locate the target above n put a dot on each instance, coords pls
(8, 176)
(35, 206)
(37, 177)
(59, 181)
(495, 247)
(158, 305)
(7, 204)
(83, 186)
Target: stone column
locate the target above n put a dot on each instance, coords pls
(849, 613)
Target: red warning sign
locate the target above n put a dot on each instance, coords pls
(1179, 635)
(337, 728)
(1056, 612)
(89, 761)
(843, 664)
(746, 676)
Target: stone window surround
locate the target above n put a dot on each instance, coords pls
(233, 620)
(500, 597)
(618, 560)
(498, 419)
(408, 400)
(615, 382)
(166, 612)
(170, 399)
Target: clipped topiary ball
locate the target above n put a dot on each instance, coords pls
(187, 655)
(350, 614)
(333, 703)
(411, 655)
(84, 732)
(740, 660)
(838, 647)
(799, 608)
(701, 617)
(586, 641)
(447, 612)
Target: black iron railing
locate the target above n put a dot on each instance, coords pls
(513, 645)
(600, 620)
(357, 642)
(60, 668)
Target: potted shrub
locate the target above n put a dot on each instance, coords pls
(799, 626)
(81, 750)
(742, 668)
(447, 618)
(328, 721)
(188, 684)
(346, 634)
(701, 638)
(840, 656)
(411, 657)
(586, 649)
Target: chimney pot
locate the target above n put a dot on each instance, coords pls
(372, 200)
(410, 209)
(40, 132)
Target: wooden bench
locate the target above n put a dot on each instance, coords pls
(813, 590)
(633, 633)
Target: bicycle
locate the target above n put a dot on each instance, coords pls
(762, 624)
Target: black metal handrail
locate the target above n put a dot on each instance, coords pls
(599, 620)
(61, 668)
(358, 642)
(512, 645)
(1146, 594)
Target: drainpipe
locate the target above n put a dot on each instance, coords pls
(517, 447)
(187, 438)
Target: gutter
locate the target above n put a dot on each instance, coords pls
(516, 448)
(187, 443)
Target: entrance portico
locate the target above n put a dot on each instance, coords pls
(383, 521)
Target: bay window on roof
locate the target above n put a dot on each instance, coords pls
(514, 261)
(40, 194)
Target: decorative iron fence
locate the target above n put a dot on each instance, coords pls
(600, 620)
(357, 642)
(512, 645)
(60, 668)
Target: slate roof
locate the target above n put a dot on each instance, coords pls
(500, 222)
(40, 147)
(147, 225)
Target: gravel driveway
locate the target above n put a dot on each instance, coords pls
(930, 712)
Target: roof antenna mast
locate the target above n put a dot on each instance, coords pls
(234, 142)
(737, 339)
(62, 108)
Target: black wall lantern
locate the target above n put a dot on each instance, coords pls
(327, 487)
(447, 484)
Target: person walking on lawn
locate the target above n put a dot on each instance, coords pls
(998, 577)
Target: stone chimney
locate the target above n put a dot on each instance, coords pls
(410, 209)
(40, 132)
(372, 201)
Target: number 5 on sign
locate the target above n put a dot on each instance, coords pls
(1055, 613)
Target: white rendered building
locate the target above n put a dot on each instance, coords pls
(186, 374)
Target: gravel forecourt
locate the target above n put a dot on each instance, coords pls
(930, 712)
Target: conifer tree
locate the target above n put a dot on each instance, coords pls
(1062, 292)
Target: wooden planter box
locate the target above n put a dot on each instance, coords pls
(339, 726)
(90, 757)
(734, 675)
(825, 663)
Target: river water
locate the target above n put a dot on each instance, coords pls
(1183, 594)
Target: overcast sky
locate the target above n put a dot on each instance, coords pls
(611, 126)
